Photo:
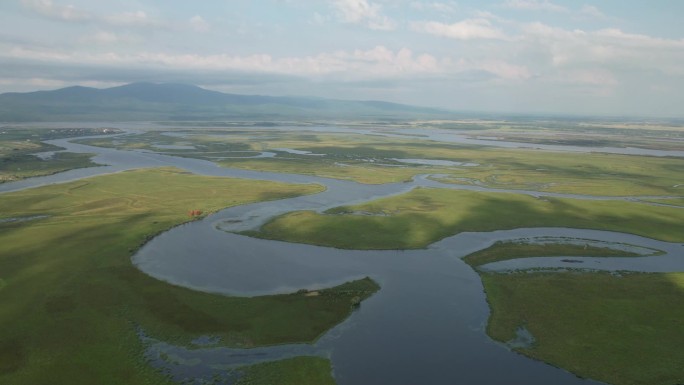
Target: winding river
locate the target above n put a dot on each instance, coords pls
(426, 324)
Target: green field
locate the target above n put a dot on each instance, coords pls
(71, 300)
(502, 251)
(423, 216)
(623, 330)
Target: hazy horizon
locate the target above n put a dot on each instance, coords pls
(508, 56)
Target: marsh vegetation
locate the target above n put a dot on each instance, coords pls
(24, 154)
(73, 300)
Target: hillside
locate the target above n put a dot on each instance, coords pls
(149, 101)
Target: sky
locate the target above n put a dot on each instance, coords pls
(593, 57)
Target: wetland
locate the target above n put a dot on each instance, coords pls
(447, 245)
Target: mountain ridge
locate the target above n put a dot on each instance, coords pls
(177, 101)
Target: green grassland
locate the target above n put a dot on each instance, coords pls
(623, 330)
(502, 251)
(71, 300)
(369, 159)
(423, 216)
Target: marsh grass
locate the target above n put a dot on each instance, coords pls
(18, 144)
(72, 300)
(368, 159)
(502, 251)
(622, 330)
(424, 216)
(21, 166)
(293, 371)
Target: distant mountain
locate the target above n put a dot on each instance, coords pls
(149, 101)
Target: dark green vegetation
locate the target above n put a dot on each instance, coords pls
(147, 101)
(294, 371)
(502, 251)
(71, 299)
(423, 216)
(18, 144)
(623, 330)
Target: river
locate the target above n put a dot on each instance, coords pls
(426, 324)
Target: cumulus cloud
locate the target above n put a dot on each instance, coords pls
(468, 29)
(604, 47)
(363, 12)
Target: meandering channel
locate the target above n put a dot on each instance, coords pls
(426, 325)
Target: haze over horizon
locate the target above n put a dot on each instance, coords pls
(604, 57)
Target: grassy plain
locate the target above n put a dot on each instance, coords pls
(370, 159)
(423, 216)
(623, 330)
(502, 251)
(71, 299)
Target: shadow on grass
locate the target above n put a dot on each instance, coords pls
(425, 216)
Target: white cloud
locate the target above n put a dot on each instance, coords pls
(376, 63)
(50, 10)
(354, 65)
(69, 13)
(535, 5)
(468, 29)
(363, 12)
(606, 46)
(198, 23)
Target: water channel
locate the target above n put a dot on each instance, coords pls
(426, 324)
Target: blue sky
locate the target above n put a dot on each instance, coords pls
(594, 57)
